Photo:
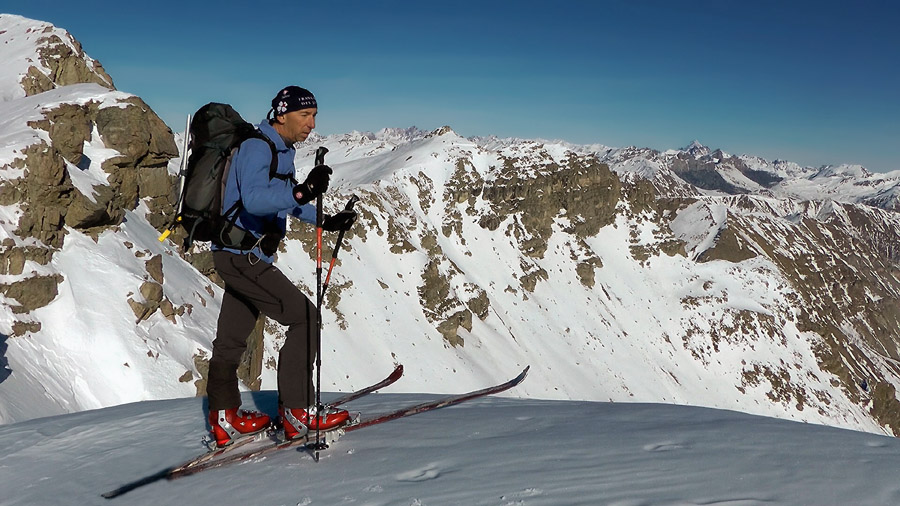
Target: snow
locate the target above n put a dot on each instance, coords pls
(698, 226)
(95, 153)
(20, 36)
(493, 451)
(80, 347)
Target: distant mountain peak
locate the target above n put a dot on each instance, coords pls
(39, 57)
(843, 170)
(410, 133)
(444, 130)
(696, 149)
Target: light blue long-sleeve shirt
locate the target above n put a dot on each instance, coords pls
(265, 200)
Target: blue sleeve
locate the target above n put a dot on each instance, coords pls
(261, 195)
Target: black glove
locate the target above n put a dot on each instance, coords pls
(340, 221)
(316, 184)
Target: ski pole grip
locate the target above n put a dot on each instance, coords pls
(320, 155)
(340, 238)
(320, 160)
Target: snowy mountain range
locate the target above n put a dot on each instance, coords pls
(686, 276)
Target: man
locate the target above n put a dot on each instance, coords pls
(253, 285)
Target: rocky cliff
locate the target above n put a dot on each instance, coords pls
(68, 104)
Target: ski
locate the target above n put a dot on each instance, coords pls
(237, 443)
(392, 378)
(359, 423)
(436, 404)
(235, 458)
(222, 453)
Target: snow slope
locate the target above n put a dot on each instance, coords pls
(494, 451)
(81, 346)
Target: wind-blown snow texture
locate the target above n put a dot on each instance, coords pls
(492, 452)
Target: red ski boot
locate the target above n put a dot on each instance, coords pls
(297, 421)
(228, 424)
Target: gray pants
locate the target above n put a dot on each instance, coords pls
(251, 289)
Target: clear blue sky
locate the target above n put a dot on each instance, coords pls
(811, 82)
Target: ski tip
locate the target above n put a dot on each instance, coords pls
(397, 373)
(522, 374)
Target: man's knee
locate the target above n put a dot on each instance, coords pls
(299, 311)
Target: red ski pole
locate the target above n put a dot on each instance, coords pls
(337, 247)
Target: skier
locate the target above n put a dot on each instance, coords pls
(253, 285)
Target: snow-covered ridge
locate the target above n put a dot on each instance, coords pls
(599, 453)
(784, 179)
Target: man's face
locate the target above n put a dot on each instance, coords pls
(295, 126)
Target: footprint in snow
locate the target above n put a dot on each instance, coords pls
(423, 474)
(528, 492)
(664, 447)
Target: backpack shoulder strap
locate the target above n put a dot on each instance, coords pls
(273, 167)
